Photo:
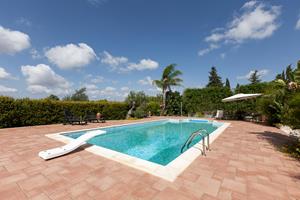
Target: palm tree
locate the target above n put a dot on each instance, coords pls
(169, 78)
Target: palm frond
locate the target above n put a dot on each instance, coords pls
(168, 70)
(175, 74)
(158, 83)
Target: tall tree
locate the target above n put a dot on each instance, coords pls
(170, 77)
(289, 74)
(297, 73)
(214, 79)
(227, 83)
(138, 97)
(254, 77)
(79, 95)
(237, 88)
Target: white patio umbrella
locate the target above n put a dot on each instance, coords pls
(240, 96)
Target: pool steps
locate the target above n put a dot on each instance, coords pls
(73, 145)
(190, 139)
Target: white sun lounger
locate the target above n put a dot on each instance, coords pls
(52, 153)
(220, 114)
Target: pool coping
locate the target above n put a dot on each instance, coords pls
(168, 172)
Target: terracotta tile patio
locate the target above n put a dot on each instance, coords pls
(243, 164)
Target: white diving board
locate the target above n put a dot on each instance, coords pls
(56, 152)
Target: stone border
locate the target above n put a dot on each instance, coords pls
(169, 172)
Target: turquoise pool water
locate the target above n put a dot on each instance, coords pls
(159, 142)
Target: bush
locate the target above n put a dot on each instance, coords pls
(27, 112)
(173, 103)
(205, 99)
(292, 115)
(252, 88)
(154, 108)
(140, 112)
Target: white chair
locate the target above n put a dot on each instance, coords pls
(219, 114)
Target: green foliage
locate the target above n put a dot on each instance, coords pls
(140, 112)
(291, 115)
(271, 103)
(289, 74)
(214, 79)
(292, 148)
(173, 103)
(138, 97)
(27, 112)
(170, 77)
(227, 83)
(153, 107)
(297, 73)
(254, 77)
(52, 97)
(205, 99)
(79, 95)
(143, 104)
(252, 88)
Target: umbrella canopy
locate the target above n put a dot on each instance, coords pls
(240, 96)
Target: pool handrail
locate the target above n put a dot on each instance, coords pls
(192, 136)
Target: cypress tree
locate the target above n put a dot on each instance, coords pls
(254, 77)
(237, 88)
(289, 74)
(297, 73)
(227, 83)
(283, 76)
(214, 79)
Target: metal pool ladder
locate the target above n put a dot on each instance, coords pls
(201, 132)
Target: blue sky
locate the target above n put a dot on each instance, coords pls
(113, 46)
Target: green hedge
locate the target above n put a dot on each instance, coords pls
(205, 99)
(27, 112)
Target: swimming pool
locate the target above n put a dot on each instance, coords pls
(159, 142)
(153, 147)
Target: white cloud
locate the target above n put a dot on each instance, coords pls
(12, 41)
(106, 93)
(260, 73)
(143, 64)
(122, 63)
(4, 89)
(4, 74)
(223, 55)
(42, 79)
(91, 87)
(124, 89)
(154, 90)
(113, 61)
(108, 90)
(249, 4)
(110, 93)
(24, 21)
(96, 2)
(35, 54)
(257, 21)
(146, 81)
(297, 27)
(97, 79)
(207, 50)
(71, 55)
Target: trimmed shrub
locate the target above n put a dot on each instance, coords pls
(27, 112)
(154, 108)
(205, 99)
(173, 103)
